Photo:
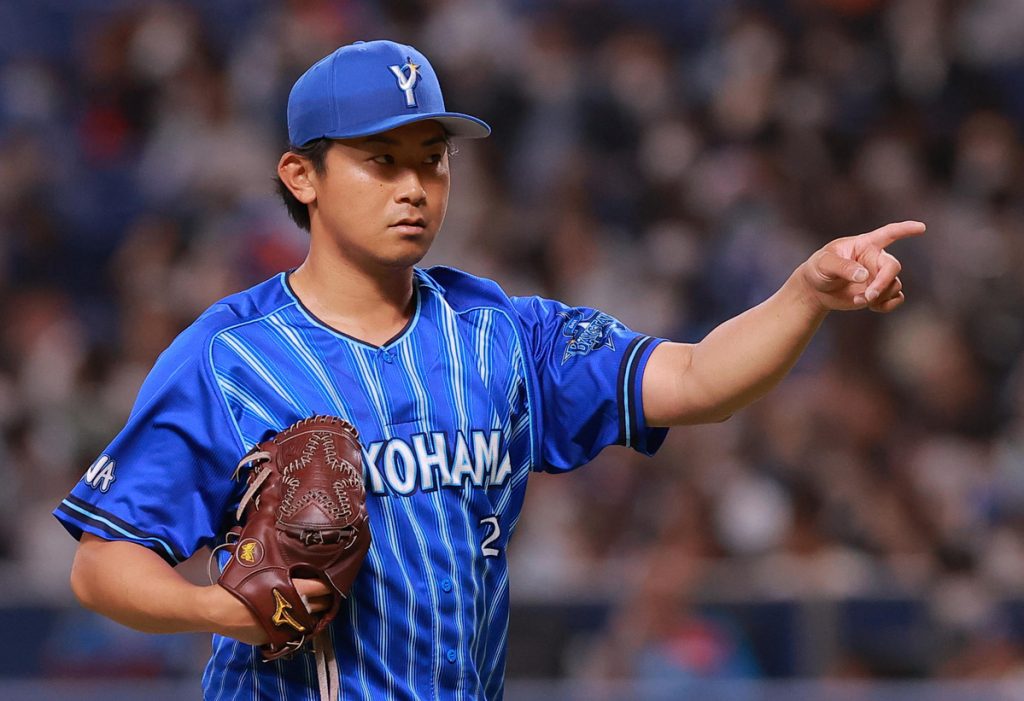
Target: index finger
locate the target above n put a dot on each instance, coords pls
(311, 587)
(889, 233)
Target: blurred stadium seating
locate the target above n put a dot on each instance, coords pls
(857, 534)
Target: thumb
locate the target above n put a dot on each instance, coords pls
(831, 267)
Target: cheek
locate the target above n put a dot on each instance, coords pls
(360, 196)
(437, 193)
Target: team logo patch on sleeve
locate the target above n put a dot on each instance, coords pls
(101, 473)
(586, 334)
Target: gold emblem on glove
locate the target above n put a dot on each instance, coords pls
(281, 615)
(249, 552)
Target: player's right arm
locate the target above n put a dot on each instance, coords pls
(135, 587)
(157, 495)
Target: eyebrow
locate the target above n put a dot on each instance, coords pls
(381, 139)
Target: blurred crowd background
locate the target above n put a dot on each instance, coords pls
(669, 162)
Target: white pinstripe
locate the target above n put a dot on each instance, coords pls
(299, 346)
(260, 369)
(246, 400)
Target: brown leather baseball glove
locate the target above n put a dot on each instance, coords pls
(303, 515)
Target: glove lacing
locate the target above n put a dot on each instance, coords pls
(326, 666)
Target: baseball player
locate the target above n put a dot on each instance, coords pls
(458, 391)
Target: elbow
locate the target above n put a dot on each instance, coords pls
(699, 414)
(709, 417)
(80, 582)
(79, 589)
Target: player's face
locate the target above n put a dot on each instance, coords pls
(382, 198)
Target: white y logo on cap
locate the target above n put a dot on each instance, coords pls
(407, 82)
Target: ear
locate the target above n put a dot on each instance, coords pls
(298, 176)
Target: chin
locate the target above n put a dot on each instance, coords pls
(407, 253)
(403, 263)
(404, 259)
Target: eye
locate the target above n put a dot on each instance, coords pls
(434, 158)
(384, 160)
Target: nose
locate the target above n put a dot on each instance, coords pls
(410, 189)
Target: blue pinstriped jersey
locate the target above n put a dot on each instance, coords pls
(476, 392)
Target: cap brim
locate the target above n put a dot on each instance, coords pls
(455, 124)
(463, 125)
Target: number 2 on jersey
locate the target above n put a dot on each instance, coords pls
(485, 545)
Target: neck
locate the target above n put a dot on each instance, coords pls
(370, 305)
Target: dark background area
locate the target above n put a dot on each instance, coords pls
(670, 163)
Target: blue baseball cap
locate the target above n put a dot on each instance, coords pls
(369, 87)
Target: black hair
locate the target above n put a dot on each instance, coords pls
(316, 152)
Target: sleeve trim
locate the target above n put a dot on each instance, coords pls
(628, 419)
(103, 522)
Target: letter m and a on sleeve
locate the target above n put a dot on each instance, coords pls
(588, 371)
(164, 482)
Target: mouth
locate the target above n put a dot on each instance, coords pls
(410, 225)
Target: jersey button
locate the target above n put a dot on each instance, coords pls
(452, 656)
(446, 584)
(389, 357)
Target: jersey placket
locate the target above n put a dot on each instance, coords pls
(426, 505)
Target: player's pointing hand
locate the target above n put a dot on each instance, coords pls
(855, 272)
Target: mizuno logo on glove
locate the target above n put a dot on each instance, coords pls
(281, 616)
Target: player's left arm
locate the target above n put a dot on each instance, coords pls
(740, 360)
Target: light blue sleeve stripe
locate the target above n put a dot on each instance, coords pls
(626, 389)
(118, 529)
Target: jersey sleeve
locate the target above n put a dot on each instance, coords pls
(588, 368)
(164, 482)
